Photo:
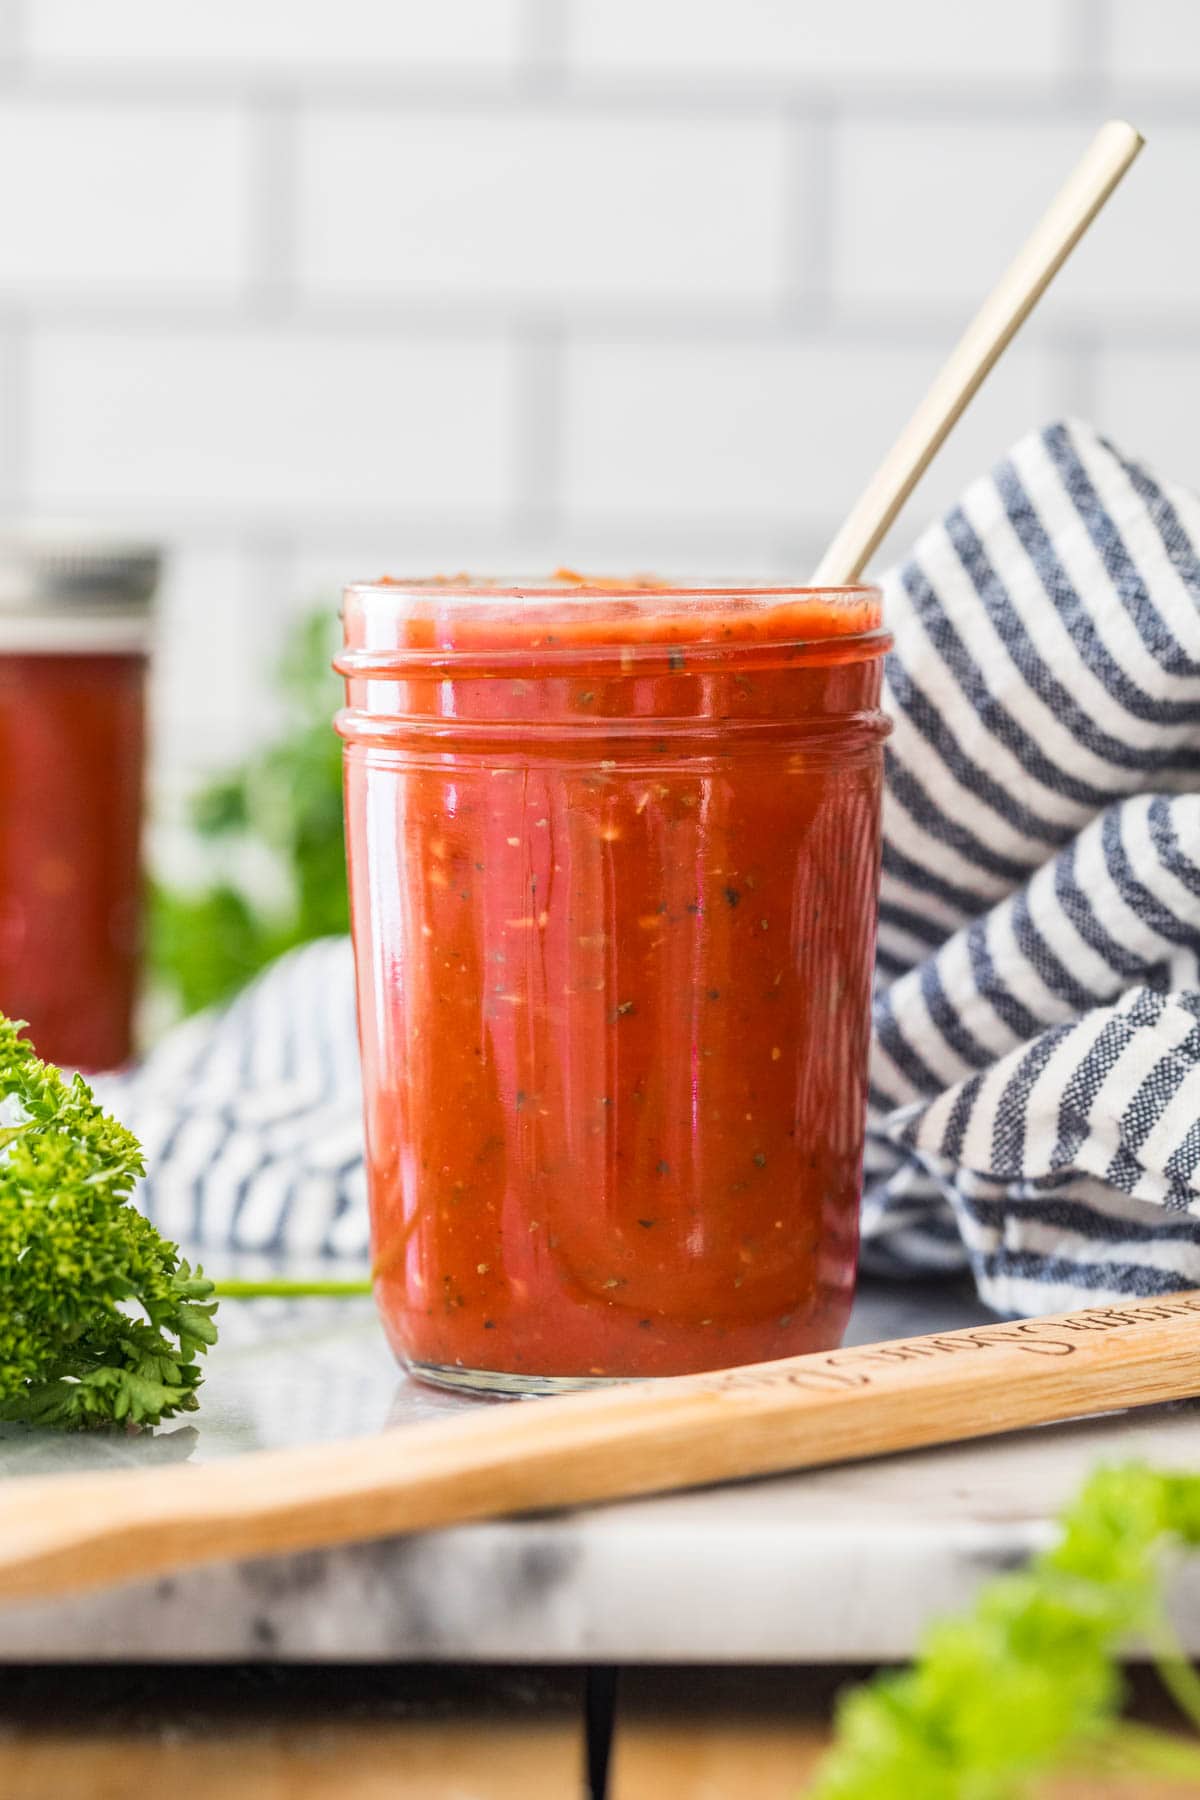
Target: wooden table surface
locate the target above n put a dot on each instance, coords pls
(427, 1733)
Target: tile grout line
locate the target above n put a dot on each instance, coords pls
(280, 536)
(1086, 79)
(15, 412)
(269, 552)
(1013, 101)
(540, 411)
(807, 229)
(1088, 40)
(543, 49)
(14, 34)
(273, 209)
(918, 325)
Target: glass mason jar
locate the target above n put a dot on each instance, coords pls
(614, 857)
(74, 623)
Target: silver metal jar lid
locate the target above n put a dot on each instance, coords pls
(67, 590)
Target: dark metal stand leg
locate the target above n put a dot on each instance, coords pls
(599, 1714)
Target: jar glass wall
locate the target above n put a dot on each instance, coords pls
(613, 862)
(74, 628)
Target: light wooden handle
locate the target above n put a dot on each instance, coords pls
(986, 337)
(68, 1532)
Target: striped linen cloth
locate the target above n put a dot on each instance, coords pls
(1035, 1085)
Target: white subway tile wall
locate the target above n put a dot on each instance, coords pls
(312, 291)
(84, 210)
(848, 40)
(218, 621)
(273, 36)
(541, 208)
(1159, 41)
(769, 436)
(269, 424)
(1153, 393)
(916, 233)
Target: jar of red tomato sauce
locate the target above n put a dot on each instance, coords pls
(614, 856)
(74, 619)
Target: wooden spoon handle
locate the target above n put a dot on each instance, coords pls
(1006, 308)
(68, 1532)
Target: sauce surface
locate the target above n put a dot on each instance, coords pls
(613, 863)
(71, 729)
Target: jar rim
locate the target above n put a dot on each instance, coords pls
(442, 625)
(647, 589)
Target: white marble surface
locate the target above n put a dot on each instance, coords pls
(839, 1564)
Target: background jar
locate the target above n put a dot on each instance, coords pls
(74, 631)
(613, 863)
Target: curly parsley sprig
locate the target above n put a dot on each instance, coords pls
(1030, 1680)
(101, 1322)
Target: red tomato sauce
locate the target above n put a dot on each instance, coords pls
(70, 819)
(614, 861)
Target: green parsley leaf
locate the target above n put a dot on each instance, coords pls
(1030, 1680)
(101, 1322)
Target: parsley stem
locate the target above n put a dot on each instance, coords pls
(1174, 1670)
(290, 1290)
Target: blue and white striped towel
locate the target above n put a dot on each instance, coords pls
(1035, 1100)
